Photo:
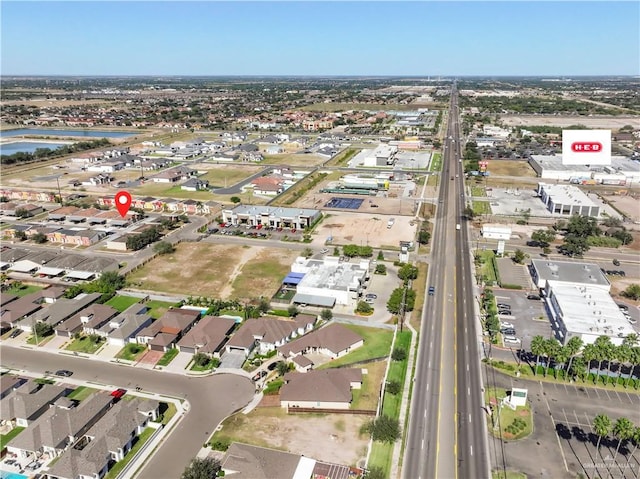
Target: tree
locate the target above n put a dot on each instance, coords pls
(350, 250)
(622, 430)
(235, 200)
(201, 359)
(394, 304)
(519, 256)
(624, 236)
(363, 307)
(20, 235)
(22, 213)
(424, 237)
(590, 353)
(393, 387)
(574, 246)
(307, 252)
(538, 349)
(543, 237)
(206, 468)
(375, 472)
(469, 213)
(326, 315)
(282, 367)
(399, 354)
(635, 439)
(163, 247)
(602, 427)
(264, 305)
(623, 354)
(384, 429)
(407, 272)
(632, 292)
(380, 256)
(39, 238)
(381, 269)
(583, 226)
(605, 352)
(551, 348)
(292, 310)
(573, 347)
(42, 329)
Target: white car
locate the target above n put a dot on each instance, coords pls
(505, 324)
(512, 340)
(324, 251)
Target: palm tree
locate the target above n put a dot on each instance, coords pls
(634, 360)
(579, 368)
(552, 347)
(631, 340)
(623, 356)
(604, 352)
(562, 356)
(602, 427)
(574, 345)
(590, 354)
(623, 429)
(635, 439)
(537, 348)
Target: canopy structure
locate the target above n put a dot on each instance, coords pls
(314, 300)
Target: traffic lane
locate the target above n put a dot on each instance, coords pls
(211, 399)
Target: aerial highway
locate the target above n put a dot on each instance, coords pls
(447, 436)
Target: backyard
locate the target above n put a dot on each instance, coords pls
(377, 344)
(221, 271)
(122, 302)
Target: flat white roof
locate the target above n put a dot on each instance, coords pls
(554, 163)
(80, 274)
(590, 310)
(24, 266)
(570, 272)
(567, 195)
(50, 271)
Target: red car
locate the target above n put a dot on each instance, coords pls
(118, 393)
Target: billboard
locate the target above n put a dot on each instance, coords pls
(586, 147)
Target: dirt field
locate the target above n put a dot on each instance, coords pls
(352, 228)
(627, 204)
(510, 168)
(293, 159)
(336, 438)
(564, 121)
(218, 271)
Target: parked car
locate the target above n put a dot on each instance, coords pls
(508, 331)
(369, 300)
(623, 307)
(533, 296)
(505, 324)
(118, 393)
(372, 296)
(511, 340)
(432, 290)
(631, 320)
(64, 373)
(16, 333)
(503, 305)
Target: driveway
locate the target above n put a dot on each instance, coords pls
(179, 363)
(232, 360)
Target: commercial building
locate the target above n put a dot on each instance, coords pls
(571, 273)
(621, 171)
(587, 312)
(329, 281)
(298, 218)
(495, 232)
(567, 200)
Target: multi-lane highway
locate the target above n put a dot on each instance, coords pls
(447, 436)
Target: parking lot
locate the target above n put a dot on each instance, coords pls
(256, 231)
(528, 316)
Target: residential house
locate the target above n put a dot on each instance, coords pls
(334, 340)
(243, 461)
(165, 332)
(59, 311)
(60, 214)
(109, 440)
(194, 184)
(268, 185)
(208, 336)
(14, 311)
(106, 166)
(60, 427)
(269, 333)
(172, 175)
(28, 402)
(9, 383)
(94, 317)
(24, 209)
(123, 328)
(322, 389)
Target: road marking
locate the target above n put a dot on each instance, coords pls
(467, 367)
(469, 418)
(468, 391)
(471, 449)
(425, 413)
(422, 444)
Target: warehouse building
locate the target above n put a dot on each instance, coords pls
(329, 281)
(498, 232)
(567, 200)
(568, 272)
(587, 312)
(298, 218)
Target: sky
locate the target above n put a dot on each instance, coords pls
(477, 38)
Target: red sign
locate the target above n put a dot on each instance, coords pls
(586, 147)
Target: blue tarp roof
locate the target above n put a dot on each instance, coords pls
(293, 278)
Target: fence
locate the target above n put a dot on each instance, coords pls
(301, 410)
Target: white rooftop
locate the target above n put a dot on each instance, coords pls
(567, 195)
(554, 163)
(588, 274)
(590, 310)
(330, 273)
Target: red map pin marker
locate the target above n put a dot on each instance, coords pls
(123, 202)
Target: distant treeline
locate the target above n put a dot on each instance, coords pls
(43, 153)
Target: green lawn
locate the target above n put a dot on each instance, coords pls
(139, 442)
(207, 367)
(41, 340)
(81, 392)
(167, 411)
(502, 426)
(5, 438)
(481, 208)
(131, 352)
(486, 266)
(168, 357)
(478, 191)
(508, 475)
(377, 344)
(158, 308)
(85, 345)
(122, 302)
(397, 372)
(24, 290)
(436, 162)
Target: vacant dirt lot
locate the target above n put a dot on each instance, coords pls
(510, 168)
(218, 271)
(627, 204)
(564, 121)
(335, 438)
(353, 228)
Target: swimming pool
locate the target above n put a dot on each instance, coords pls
(11, 475)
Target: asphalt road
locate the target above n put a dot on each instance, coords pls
(447, 433)
(211, 399)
